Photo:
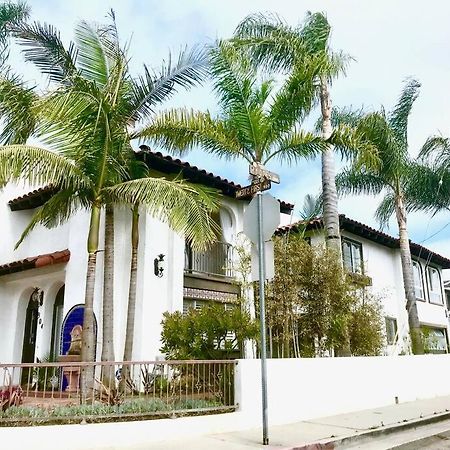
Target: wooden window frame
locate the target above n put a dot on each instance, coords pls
(424, 299)
(441, 303)
(361, 254)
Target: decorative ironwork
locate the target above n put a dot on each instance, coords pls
(205, 294)
(118, 389)
(217, 260)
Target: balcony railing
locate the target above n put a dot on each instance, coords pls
(68, 392)
(217, 260)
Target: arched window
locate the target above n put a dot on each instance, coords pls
(58, 309)
(434, 285)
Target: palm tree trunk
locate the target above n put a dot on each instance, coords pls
(131, 312)
(329, 192)
(108, 300)
(408, 278)
(329, 195)
(88, 339)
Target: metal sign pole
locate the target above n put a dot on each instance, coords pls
(262, 317)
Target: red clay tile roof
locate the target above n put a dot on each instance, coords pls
(32, 199)
(156, 161)
(360, 229)
(167, 164)
(34, 262)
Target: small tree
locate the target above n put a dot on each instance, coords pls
(211, 333)
(366, 326)
(311, 303)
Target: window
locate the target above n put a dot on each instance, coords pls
(391, 330)
(199, 304)
(193, 304)
(435, 340)
(352, 256)
(418, 281)
(434, 285)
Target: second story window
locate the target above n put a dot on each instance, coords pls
(434, 285)
(391, 330)
(418, 281)
(352, 256)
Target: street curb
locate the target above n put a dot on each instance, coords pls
(428, 440)
(333, 444)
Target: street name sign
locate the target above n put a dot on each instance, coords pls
(258, 170)
(249, 191)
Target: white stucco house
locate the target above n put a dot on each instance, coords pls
(373, 257)
(42, 283)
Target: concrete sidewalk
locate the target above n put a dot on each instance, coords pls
(362, 429)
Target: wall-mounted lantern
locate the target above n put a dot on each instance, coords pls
(159, 265)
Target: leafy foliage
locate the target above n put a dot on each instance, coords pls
(211, 333)
(366, 326)
(256, 122)
(388, 134)
(311, 303)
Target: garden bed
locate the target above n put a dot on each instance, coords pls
(129, 410)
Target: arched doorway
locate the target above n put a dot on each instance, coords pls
(29, 334)
(58, 309)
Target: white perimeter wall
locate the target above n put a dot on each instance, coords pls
(308, 388)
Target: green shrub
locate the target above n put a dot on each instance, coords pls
(211, 333)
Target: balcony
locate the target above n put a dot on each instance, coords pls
(216, 261)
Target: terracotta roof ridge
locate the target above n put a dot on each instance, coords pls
(34, 262)
(369, 233)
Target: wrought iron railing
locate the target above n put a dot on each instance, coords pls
(69, 392)
(217, 260)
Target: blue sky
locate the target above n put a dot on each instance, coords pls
(390, 41)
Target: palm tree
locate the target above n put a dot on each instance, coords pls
(279, 47)
(256, 122)
(85, 124)
(389, 133)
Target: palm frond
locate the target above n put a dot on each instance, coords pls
(180, 130)
(54, 212)
(271, 43)
(353, 144)
(297, 145)
(152, 88)
(398, 118)
(234, 80)
(316, 32)
(353, 181)
(344, 116)
(385, 209)
(39, 167)
(296, 97)
(426, 188)
(312, 207)
(185, 207)
(437, 150)
(16, 109)
(11, 14)
(92, 60)
(44, 48)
